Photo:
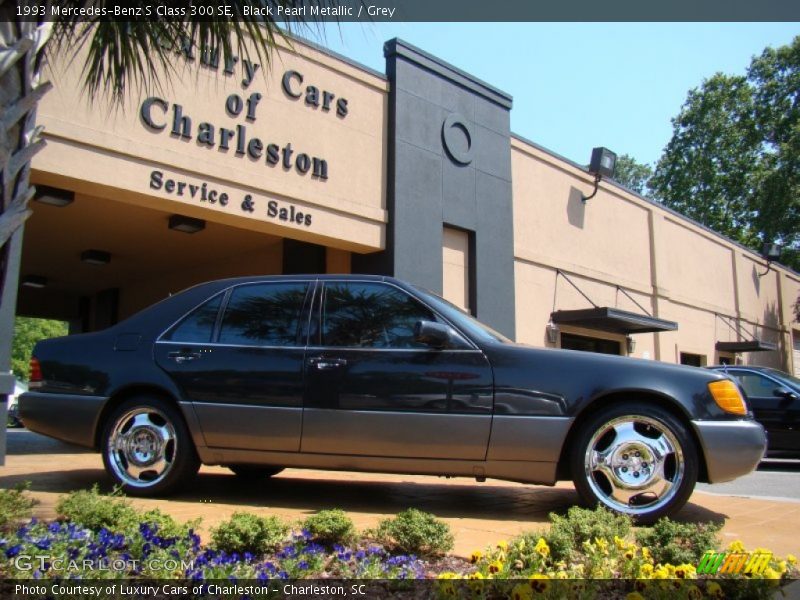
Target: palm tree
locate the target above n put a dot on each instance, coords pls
(119, 54)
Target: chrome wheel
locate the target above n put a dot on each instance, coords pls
(141, 447)
(634, 464)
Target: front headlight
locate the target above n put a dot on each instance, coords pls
(728, 397)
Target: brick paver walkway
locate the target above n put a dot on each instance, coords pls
(479, 513)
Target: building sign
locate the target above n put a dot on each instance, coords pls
(202, 193)
(159, 115)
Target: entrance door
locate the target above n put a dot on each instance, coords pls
(372, 390)
(244, 376)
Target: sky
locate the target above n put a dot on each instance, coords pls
(580, 85)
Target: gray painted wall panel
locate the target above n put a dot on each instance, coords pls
(429, 189)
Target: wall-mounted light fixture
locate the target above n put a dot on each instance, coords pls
(602, 165)
(53, 196)
(96, 257)
(552, 332)
(770, 252)
(186, 224)
(34, 281)
(631, 344)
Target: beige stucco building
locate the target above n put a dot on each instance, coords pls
(316, 164)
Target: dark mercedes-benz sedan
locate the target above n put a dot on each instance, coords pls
(368, 373)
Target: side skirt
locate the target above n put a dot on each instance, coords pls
(542, 473)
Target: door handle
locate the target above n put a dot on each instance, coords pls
(183, 356)
(326, 364)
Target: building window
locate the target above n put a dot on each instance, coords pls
(726, 358)
(570, 341)
(693, 360)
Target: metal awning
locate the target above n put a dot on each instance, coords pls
(746, 346)
(613, 320)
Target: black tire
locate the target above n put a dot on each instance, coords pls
(254, 471)
(618, 453)
(147, 448)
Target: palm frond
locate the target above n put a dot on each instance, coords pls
(143, 51)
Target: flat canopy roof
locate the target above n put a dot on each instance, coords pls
(746, 346)
(613, 320)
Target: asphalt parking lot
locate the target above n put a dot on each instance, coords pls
(755, 509)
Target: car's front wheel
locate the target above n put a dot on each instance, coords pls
(635, 458)
(147, 448)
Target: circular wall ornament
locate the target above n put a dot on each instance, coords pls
(457, 139)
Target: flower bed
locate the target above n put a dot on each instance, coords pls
(584, 554)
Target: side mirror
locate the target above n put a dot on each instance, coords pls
(783, 392)
(432, 334)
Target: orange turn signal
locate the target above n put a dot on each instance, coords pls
(727, 396)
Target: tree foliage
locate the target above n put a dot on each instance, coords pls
(733, 162)
(633, 175)
(27, 332)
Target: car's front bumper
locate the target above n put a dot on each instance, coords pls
(731, 448)
(67, 417)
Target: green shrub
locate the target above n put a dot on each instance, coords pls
(414, 531)
(330, 527)
(568, 533)
(245, 532)
(15, 505)
(164, 524)
(92, 509)
(678, 543)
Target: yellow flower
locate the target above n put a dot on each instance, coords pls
(539, 582)
(714, 590)
(630, 553)
(634, 596)
(646, 553)
(521, 592)
(685, 571)
(476, 575)
(736, 546)
(447, 575)
(602, 544)
(503, 545)
(661, 572)
(495, 566)
(791, 559)
(475, 556)
(619, 542)
(646, 571)
(782, 567)
(770, 573)
(542, 548)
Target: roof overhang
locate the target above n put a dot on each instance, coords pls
(746, 346)
(612, 320)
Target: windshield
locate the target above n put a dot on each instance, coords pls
(794, 381)
(463, 320)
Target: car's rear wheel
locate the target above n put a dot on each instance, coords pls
(147, 448)
(636, 459)
(254, 471)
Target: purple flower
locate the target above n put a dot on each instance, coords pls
(13, 550)
(302, 565)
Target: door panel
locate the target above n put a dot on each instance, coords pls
(372, 390)
(247, 384)
(773, 412)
